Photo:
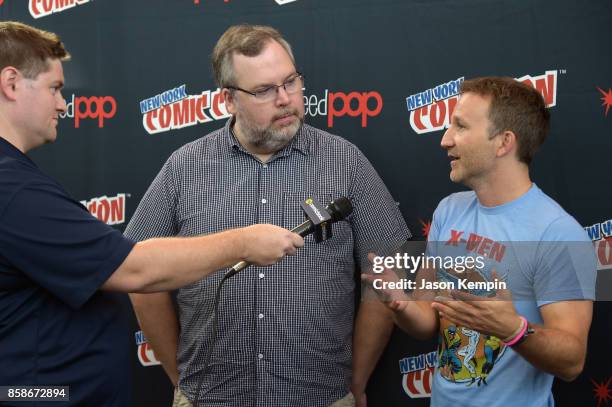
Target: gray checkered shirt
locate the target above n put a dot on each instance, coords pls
(285, 331)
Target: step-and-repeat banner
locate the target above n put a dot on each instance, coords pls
(383, 74)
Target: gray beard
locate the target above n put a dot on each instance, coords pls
(270, 140)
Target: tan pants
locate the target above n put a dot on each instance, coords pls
(181, 401)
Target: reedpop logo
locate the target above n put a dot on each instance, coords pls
(93, 107)
(338, 104)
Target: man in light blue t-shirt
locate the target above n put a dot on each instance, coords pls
(510, 277)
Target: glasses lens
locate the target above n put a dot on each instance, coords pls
(266, 94)
(294, 84)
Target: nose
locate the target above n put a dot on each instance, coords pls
(61, 103)
(282, 97)
(447, 139)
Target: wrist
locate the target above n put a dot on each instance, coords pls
(238, 238)
(512, 330)
(520, 335)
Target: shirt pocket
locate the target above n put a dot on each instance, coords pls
(213, 212)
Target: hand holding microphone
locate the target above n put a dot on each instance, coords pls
(266, 244)
(336, 210)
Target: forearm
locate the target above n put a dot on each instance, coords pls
(373, 327)
(157, 319)
(554, 351)
(170, 263)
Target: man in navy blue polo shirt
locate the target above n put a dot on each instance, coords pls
(62, 316)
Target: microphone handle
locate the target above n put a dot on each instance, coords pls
(302, 229)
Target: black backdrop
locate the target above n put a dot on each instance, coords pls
(362, 60)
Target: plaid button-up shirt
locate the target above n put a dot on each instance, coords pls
(284, 334)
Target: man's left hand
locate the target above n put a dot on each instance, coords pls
(488, 315)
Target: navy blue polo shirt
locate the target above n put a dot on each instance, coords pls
(56, 326)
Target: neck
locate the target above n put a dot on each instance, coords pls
(260, 153)
(504, 186)
(8, 132)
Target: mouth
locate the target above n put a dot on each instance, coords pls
(285, 118)
(453, 159)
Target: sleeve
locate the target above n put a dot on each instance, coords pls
(566, 268)
(58, 244)
(156, 212)
(377, 223)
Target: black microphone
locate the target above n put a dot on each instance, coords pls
(339, 209)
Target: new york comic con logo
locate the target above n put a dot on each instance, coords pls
(432, 109)
(279, 2)
(43, 8)
(601, 235)
(110, 210)
(175, 109)
(417, 374)
(145, 353)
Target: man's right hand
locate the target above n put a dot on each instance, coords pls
(394, 298)
(266, 244)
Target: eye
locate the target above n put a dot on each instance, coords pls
(265, 92)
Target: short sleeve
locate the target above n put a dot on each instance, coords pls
(567, 266)
(377, 222)
(55, 242)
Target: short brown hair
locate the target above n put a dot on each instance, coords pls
(244, 39)
(517, 107)
(28, 49)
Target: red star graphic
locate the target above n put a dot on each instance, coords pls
(602, 391)
(607, 99)
(426, 227)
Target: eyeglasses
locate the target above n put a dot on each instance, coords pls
(292, 85)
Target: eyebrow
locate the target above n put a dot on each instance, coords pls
(268, 85)
(460, 122)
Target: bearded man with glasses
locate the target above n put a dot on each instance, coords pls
(285, 333)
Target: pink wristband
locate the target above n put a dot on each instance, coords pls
(520, 334)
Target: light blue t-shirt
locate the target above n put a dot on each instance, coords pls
(543, 255)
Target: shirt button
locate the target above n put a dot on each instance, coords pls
(260, 356)
(265, 165)
(264, 200)
(261, 316)
(261, 275)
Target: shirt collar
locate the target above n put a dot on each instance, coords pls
(299, 143)
(10, 150)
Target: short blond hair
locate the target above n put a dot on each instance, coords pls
(29, 49)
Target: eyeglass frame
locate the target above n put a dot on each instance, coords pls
(297, 75)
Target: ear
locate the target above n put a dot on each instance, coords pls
(230, 102)
(507, 143)
(9, 78)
